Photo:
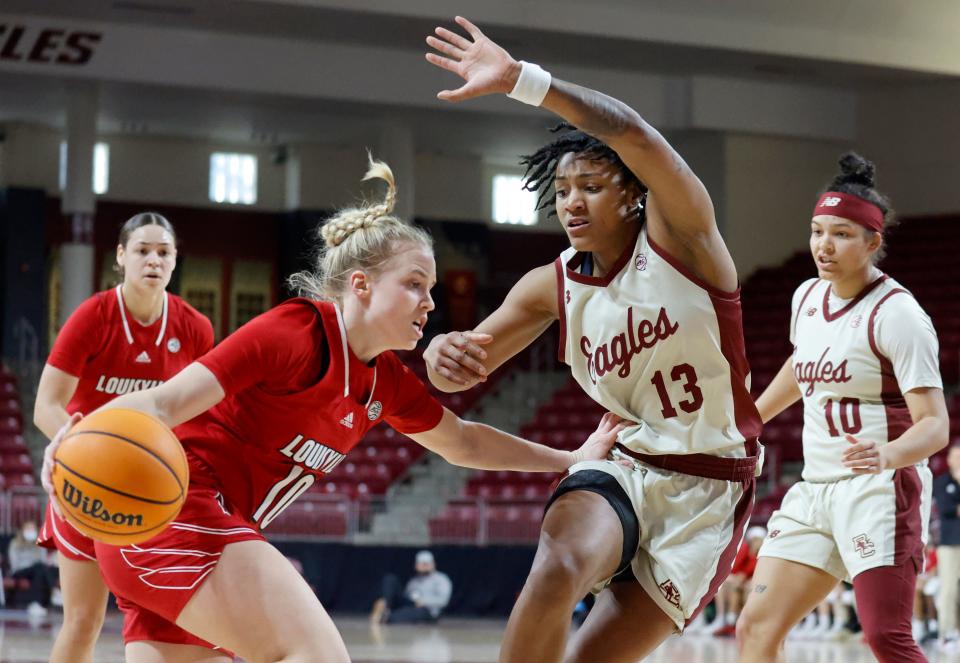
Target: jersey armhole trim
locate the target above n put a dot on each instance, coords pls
(561, 310)
(871, 335)
(689, 275)
(796, 317)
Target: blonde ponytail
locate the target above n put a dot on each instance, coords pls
(363, 237)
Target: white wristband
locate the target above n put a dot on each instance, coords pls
(532, 85)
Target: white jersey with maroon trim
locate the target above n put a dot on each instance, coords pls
(654, 344)
(853, 361)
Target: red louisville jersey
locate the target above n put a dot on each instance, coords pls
(297, 400)
(113, 354)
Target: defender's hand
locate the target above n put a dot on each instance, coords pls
(485, 66)
(457, 357)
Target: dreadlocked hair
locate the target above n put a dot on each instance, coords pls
(858, 178)
(542, 165)
(363, 237)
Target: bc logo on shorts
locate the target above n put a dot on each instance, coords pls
(863, 545)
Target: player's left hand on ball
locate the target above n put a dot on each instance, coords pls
(601, 441)
(864, 456)
(46, 472)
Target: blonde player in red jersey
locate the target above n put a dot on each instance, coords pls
(120, 340)
(649, 310)
(277, 404)
(865, 364)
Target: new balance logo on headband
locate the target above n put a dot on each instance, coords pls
(832, 201)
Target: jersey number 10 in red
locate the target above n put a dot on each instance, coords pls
(849, 409)
(689, 405)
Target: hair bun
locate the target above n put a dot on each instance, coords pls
(854, 169)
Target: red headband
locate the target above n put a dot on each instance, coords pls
(850, 207)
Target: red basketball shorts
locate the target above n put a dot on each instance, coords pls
(155, 579)
(57, 534)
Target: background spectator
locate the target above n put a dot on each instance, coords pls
(29, 567)
(421, 601)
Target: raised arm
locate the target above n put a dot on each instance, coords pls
(459, 360)
(679, 210)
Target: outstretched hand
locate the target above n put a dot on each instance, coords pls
(458, 357)
(485, 66)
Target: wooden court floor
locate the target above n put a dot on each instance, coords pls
(453, 641)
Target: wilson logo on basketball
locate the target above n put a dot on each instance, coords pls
(95, 509)
(620, 350)
(811, 373)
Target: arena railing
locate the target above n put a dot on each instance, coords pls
(321, 517)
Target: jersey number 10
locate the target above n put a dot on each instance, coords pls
(296, 484)
(849, 410)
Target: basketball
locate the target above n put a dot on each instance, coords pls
(120, 476)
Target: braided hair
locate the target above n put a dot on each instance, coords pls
(858, 178)
(363, 237)
(542, 165)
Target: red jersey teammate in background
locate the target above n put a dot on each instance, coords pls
(276, 404)
(131, 337)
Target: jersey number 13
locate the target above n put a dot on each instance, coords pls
(686, 374)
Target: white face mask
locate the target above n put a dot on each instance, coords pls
(30, 535)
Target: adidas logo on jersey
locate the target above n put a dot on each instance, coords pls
(143, 358)
(347, 421)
